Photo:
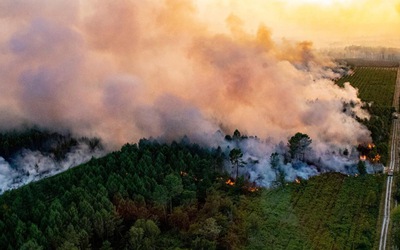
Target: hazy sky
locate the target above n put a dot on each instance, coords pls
(366, 22)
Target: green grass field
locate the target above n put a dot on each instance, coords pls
(331, 211)
(375, 84)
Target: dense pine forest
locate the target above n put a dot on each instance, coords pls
(152, 195)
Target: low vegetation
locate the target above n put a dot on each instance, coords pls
(375, 84)
(331, 211)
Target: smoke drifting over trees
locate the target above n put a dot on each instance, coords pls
(136, 69)
(139, 69)
(33, 154)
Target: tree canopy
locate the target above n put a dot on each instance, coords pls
(298, 145)
(235, 156)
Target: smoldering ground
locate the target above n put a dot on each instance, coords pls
(134, 69)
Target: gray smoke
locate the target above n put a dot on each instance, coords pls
(28, 166)
(257, 157)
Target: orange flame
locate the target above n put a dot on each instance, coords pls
(252, 189)
(363, 157)
(371, 146)
(377, 158)
(298, 181)
(230, 182)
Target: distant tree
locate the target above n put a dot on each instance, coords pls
(106, 245)
(68, 246)
(280, 174)
(280, 178)
(370, 200)
(201, 243)
(174, 186)
(235, 156)
(228, 137)
(298, 145)
(161, 197)
(179, 219)
(210, 229)
(274, 161)
(361, 168)
(143, 234)
(136, 237)
(236, 135)
(31, 245)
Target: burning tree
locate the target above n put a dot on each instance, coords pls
(235, 157)
(298, 145)
(369, 152)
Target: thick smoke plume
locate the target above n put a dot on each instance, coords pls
(134, 69)
(28, 165)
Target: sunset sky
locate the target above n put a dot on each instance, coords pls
(325, 22)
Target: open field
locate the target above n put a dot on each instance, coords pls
(375, 84)
(331, 211)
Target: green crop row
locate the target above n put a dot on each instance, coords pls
(330, 211)
(375, 84)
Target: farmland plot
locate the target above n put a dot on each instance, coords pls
(375, 84)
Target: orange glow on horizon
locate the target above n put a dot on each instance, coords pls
(370, 22)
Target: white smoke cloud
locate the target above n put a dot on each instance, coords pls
(137, 69)
(6, 175)
(28, 166)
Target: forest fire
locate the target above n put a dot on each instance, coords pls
(376, 159)
(365, 149)
(183, 173)
(369, 152)
(252, 189)
(297, 181)
(230, 182)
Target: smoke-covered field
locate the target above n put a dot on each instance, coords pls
(138, 69)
